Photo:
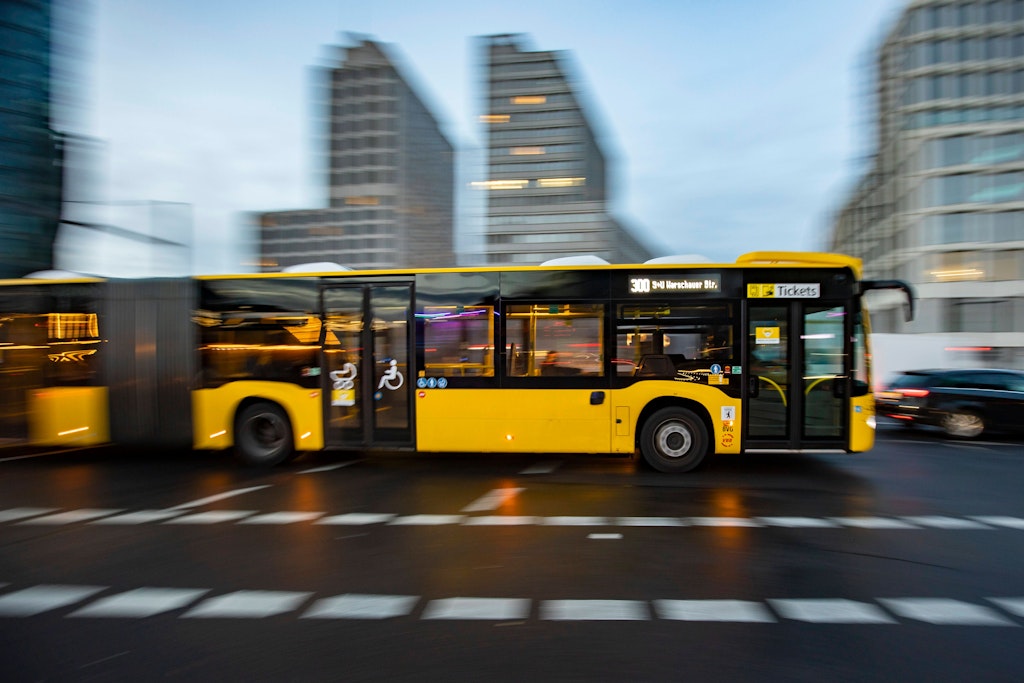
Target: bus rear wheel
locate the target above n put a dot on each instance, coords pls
(263, 435)
(674, 440)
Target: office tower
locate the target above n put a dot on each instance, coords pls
(942, 207)
(390, 176)
(30, 149)
(546, 180)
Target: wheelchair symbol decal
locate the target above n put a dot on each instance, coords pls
(392, 378)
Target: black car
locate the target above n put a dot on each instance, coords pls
(964, 403)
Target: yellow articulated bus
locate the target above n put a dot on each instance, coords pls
(678, 362)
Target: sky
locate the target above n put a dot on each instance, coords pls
(730, 125)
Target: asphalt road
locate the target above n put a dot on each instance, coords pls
(900, 564)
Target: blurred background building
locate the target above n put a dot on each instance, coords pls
(942, 206)
(390, 176)
(547, 190)
(31, 149)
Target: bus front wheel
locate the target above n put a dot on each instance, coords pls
(674, 440)
(263, 435)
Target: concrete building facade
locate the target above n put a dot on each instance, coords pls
(389, 176)
(942, 206)
(546, 186)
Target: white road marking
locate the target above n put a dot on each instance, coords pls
(141, 602)
(426, 520)
(42, 598)
(283, 518)
(13, 514)
(874, 523)
(1010, 522)
(574, 521)
(1011, 605)
(723, 521)
(650, 521)
(72, 516)
(796, 522)
(945, 611)
(327, 468)
(492, 500)
(500, 520)
(354, 606)
(713, 610)
(140, 517)
(830, 611)
(499, 609)
(40, 455)
(357, 518)
(247, 604)
(212, 517)
(605, 537)
(594, 610)
(219, 496)
(543, 467)
(939, 522)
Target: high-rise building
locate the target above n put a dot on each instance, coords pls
(390, 176)
(30, 148)
(942, 206)
(546, 186)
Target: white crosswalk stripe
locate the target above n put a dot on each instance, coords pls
(248, 604)
(39, 599)
(944, 611)
(282, 518)
(796, 522)
(594, 610)
(139, 517)
(353, 606)
(14, 514)
(426, 520)
(874, 523)
(1009, 522)
(212, 517)
(830, 611)
(71, 516)
(498, 609)
(940, 522)
(357, 518)
(574, 521)
(723, 521)
(713, 610)
(500, 520)
(142, 602)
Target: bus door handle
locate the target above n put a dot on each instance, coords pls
(753, 386)
(838, 387)
(596, 398)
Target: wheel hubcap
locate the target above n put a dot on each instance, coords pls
(674, 440)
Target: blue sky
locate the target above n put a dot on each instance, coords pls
(734, 125)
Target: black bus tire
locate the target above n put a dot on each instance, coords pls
(263, 435)
(674, 440)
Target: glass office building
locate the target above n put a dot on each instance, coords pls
(390, 177)
(942, 206)
(546, 188)
(30, 150)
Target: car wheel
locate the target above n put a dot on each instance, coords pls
(263, 435)
(674, 440)
(963, 423)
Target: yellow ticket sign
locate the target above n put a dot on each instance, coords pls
(760, 291)
(784, 290)
(766, 335)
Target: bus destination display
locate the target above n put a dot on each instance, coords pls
(645, 284)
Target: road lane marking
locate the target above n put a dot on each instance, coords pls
(140, 517)
(14, 514)
(40, 455)
(944, 611)
(874, 523)
(1010, 522)
(355, 606)
(500, 520)
(713, 610)
(219, 496)
(543, 467)
(212, 517)
(283, 518)
(357, 518)
(71, 516)
(42, 598)
(492, 500)
(494, 609)
(940, 522)
(141, 602)
(327, 468)
(572, 520)
(830, 611)
(247, 605)
(426, 520)
(595, 610)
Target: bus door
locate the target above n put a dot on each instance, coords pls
(366, 365)
(797, 366)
